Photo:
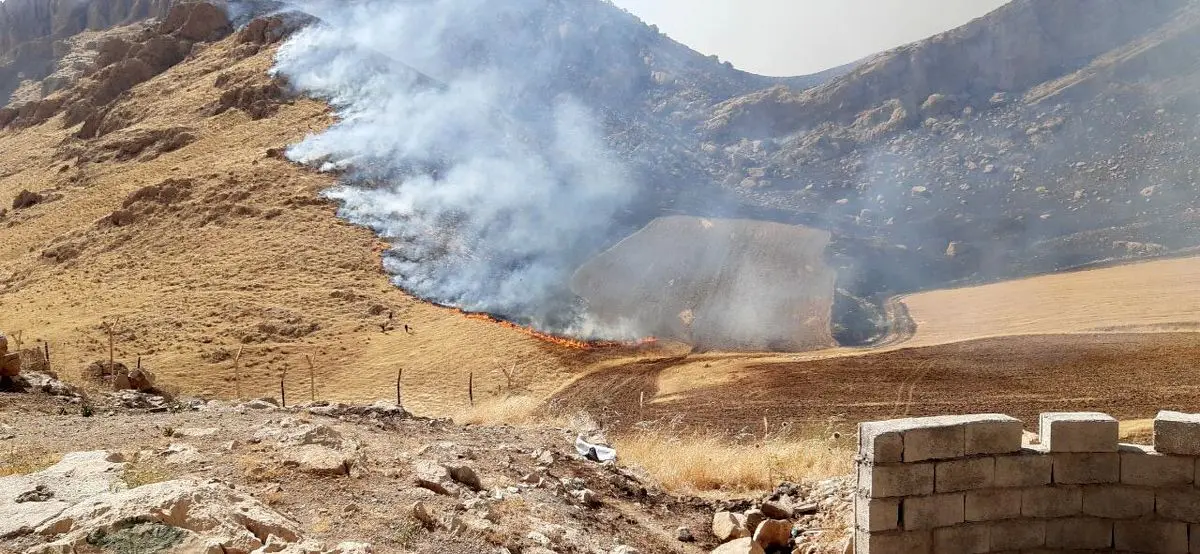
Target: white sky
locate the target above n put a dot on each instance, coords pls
(796, 37)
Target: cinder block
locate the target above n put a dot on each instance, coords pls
(1177, 433)
(970, 538)
(928, 512)
(880, 443)
(992, 504)
(876, 514)
(992, 434)
(897, 542)
(962, 475)
(942, 438)
(882, 481)
(1142, 466)
(1051, 501)
(1181, 504)
(1078, 432)
(1017, 534)
(1117, 502)
(1079, 533)
(1158, 537)
(1030, 468)
(1087, 468)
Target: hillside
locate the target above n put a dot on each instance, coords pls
(153, 184)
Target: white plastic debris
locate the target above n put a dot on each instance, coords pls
(594, 452)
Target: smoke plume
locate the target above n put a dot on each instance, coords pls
(458, 146)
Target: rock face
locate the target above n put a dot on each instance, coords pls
(83, 502)
(10, 364)
(29, 29)
(716, 283)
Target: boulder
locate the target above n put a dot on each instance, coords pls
(430, 475)
(198, 511)
(773, 533)
(316, 459)
(420, 512)
(727, 526)
(751, 519)
(10, 365)
(26, 199)
(465, 475)
(739, 546)
(776, 509)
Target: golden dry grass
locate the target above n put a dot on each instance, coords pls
(509, 410)
(1137, 431)
(709, 464)
(1162, 295)
(142, 473)
(21, 461)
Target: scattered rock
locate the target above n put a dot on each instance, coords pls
(26, 199)
(316, 459)
(684, 534)
(433, 476)
(773, 533)
(775, 509)
(805, 509)
(739, 546)
(420, 512)
(751, 520)
(587, 497)
(727, 526)
(41, 493)
(465, 475)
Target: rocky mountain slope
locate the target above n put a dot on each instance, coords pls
(130, 472)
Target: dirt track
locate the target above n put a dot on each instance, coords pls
(1127, 375)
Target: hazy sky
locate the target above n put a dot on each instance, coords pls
(795, 37)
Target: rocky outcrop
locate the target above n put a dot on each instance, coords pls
(83, 502)
(120, 65)
(1021, 45)
(10, 364)
(24, 21)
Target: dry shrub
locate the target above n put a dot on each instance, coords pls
(142, 473)
(26, 460)
(709, 463)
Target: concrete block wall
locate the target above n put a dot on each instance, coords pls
(968, 484)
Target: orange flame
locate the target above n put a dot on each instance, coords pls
(556, 339)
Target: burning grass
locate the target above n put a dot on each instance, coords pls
(711, 464)
(568, 342)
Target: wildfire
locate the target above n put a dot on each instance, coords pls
(555, 339)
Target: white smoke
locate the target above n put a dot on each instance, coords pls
(491, 186)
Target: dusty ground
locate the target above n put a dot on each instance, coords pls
(372, 503)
